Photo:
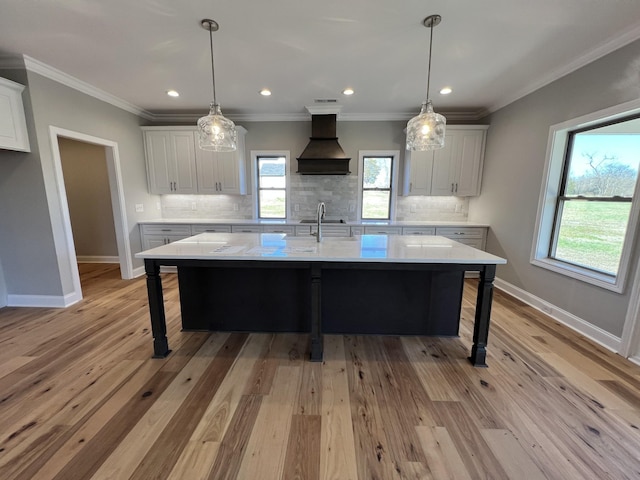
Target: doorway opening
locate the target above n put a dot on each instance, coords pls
(116, 221)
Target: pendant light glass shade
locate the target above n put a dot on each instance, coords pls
(215, 132)
(426, 131)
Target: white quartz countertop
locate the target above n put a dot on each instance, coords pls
(236, 221)
(359, 248)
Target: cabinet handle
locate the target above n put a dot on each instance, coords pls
(166, 230)
(452, 188)
(410, 186)
(456, 188)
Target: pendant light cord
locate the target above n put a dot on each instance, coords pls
(429, 67)
(213, 72)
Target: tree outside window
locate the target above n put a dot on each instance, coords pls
(596, 195)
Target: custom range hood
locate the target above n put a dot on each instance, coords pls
(323, 155)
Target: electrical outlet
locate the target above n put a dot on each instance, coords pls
(413, 208)
(458, 208)
(158, 206)
(194, 206)
(139, 207)
(296, 207)
(352, 207)
(235, 207)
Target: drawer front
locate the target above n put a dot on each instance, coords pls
(357, 230)
(246, 229)
(196, 229)
(303, 230)
(288, 229)
(372, 229)
(460, 232)
(166, 229)
(418, 230)
(333, 230)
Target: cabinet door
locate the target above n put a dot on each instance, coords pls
(159, 164)
(206, 163)
(232, 168)
(444, 168)
(420, 170)
(153, 241)
(183, 147)
(469, 161)
(171, 163)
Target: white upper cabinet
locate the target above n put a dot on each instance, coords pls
(13, 125)
(222, 172)
(171, 165)
(454, 170)
(176, 165)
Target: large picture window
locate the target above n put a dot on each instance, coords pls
(588, 218)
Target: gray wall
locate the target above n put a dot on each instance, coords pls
(29, 212)
(86, 182)
(26, 239)
(3, 289)
(512, 178)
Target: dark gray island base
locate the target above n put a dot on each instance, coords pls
(337, 297)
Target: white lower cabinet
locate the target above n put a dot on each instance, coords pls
(157, 235)
(215, 228)
(288, 229)
(472, 236)
(382, 229)
(418, 230)
(246, 229)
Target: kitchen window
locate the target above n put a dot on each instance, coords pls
(378, 172)
(589, 208)
(271, 184)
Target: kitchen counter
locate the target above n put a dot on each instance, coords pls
(239, 221)
(368, 284)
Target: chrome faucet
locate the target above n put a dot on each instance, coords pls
(321, 211)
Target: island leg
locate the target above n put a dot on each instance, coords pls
(483, 316)
(156, 309)
(316, 314)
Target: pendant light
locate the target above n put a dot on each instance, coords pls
(426, 130)
(215, 132)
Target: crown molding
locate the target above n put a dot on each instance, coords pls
(59, 76)
(609, 46)
(457, 116)
(36, 66)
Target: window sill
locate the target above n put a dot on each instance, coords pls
(615, 284)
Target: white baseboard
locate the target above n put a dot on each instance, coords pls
(138, 272)
(48, 301)
(635, 360)
(97, 259)
(581, 326)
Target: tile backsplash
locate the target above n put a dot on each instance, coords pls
(339, 193)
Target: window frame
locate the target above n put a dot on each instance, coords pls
(558, 150)
(393, 187)
(255, 178)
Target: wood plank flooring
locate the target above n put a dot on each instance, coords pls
(81, 398)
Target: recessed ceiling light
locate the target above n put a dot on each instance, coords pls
(173, 93)
(265, 92)
(348, 91)
(446, 91)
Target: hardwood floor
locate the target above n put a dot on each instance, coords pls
(81, 398)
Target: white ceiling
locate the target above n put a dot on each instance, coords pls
(491, 52)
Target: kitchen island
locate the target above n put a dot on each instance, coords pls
(367, 284)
